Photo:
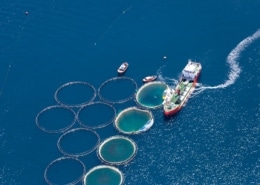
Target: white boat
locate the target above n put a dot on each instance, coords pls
(122, 68)
(149, 78)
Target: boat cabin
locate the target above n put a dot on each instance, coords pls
(190, 71)
(122, 68)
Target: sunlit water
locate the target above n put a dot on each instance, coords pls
(213, 140)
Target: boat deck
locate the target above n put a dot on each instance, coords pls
(178, 98)
(175, 99)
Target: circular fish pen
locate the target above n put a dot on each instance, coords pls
(117, 150)
(103, 174)
(134, 121)
(117, 90)
(150, 95)
(60, 171)
(87, 115)
(55, 119)
(75, 94)
(78, 142)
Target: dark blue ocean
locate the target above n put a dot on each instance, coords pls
(214, 139)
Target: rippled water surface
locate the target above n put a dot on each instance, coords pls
(213, 140)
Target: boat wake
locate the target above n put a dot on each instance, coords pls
(232, 60)
(167, 80)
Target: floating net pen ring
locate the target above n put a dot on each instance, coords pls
(38, 124)
(115, 153)
(150, 95)
(48, 181)
(106, 123)
(78, 154)
(57, 92)
(126, 123)
(103, 174)
(122, 100)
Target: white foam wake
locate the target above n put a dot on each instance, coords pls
(232, 60)
(167, 80)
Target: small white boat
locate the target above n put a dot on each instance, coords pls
(122, 68)
(149, 78)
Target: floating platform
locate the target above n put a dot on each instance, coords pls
(134, 121)
(117, 150)
(117, 90)
(68, 142)
(75, 94)
(103, 174)
(59, 171)
(55, 119)
(86, 115)
(150, 95)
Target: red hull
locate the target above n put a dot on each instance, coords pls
(172, 112)
(177, 109)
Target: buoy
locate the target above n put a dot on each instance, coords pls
(164, 57)
(26, 13)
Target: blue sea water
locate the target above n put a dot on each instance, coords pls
(215, 137)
